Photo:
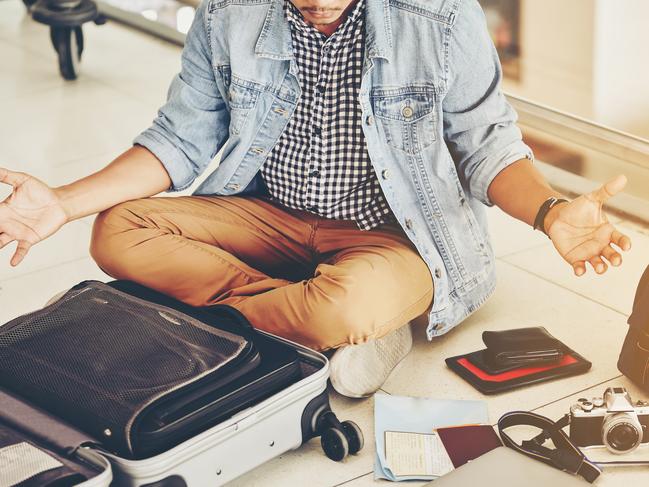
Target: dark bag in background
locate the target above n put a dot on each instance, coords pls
(634, 357)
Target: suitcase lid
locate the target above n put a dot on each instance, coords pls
(48, 449)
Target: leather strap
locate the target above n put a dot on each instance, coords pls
(539, 221)
(566, 456)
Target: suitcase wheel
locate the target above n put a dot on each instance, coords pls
(335, 444)
(338, 439)
(354, 436)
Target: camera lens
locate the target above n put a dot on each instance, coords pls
(622, 437)
(622, 432)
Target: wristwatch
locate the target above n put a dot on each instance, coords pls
(539, 221)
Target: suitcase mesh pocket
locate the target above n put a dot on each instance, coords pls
(98, 357)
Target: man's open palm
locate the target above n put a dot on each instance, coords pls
(30, 214)
(582, 233)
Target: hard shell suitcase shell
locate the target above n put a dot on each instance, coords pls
(238, 445)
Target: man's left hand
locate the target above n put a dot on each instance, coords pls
(581, 232)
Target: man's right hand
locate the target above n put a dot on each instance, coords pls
(30, 214)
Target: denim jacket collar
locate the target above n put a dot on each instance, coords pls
(274, 42)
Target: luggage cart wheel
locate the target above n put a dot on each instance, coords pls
(68, 43)
(354, 436)
(335, 444)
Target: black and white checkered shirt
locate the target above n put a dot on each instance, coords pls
(320, 163)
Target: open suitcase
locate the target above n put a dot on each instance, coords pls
(186, 396)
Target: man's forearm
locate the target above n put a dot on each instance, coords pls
(137, 173)
(520, 190)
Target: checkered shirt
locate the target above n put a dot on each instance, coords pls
(320, 163)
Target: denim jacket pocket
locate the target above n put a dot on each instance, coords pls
(408, 118)
(242, 98)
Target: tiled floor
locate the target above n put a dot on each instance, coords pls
(59, 131)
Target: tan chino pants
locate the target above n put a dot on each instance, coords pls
(322, 283)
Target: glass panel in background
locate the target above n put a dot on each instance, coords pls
(172, 15)
(577, 73)
(583, 57)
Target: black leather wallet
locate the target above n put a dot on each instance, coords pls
(480, 360)
(521, 347)
(516, 358)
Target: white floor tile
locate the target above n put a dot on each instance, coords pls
(70, 243)
(131, 62)
(509, 235)
(68, 123)
(637, 226)
(615, 289)
(13, 19)
(24, 73)
(59, 174)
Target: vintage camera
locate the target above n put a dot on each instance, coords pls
(613, 421)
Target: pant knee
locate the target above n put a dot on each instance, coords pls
(352, 310)
(338, 324)
(108, 248)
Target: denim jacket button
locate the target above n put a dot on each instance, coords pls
(385, 174)
(407, 112)
(258, 150)
(369, 120)
(233, 186)
(408, 223)
(438, 273)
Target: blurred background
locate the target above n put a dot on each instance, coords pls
(577, 71)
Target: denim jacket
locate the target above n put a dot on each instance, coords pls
(437, 126)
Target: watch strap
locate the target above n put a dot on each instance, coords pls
(539, 221)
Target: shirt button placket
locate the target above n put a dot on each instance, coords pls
(316, 132)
